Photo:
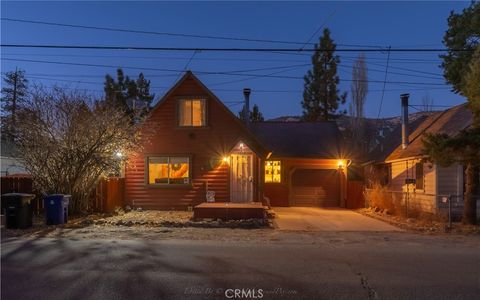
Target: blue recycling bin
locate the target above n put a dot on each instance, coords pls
(56, 209)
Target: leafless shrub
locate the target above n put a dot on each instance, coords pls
(67, 140)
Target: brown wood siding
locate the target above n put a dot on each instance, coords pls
(164, 137)
(280, 193)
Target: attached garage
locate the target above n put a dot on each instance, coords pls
(315, 187)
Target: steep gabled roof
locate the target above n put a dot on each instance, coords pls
(301, 139)
(254, 142)
(450, 122)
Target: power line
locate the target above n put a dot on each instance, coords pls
(111, 29)
(156, 69)
(225, 90)
(226, 73)
(219, 49)
(384, 84)
(318, 29)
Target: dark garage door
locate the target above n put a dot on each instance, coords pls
(315, 187)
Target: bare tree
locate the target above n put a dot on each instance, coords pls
(359, 90)
(427, 103)
(67, 141)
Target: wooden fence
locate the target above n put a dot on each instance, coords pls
(355, 197)
(108, 194)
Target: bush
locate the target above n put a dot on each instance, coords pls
(380, 197)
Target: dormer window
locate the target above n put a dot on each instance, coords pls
(192, 112)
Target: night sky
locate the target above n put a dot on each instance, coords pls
(373, 25)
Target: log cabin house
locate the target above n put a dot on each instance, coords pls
(195, 146)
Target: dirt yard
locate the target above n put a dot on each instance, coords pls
(422, 225)
(142, 224)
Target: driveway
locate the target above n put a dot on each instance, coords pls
(326, 219)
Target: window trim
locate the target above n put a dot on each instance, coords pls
(281, 172)
(179, 100)
(168, 185)
(423, 176)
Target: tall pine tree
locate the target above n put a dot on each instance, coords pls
(14, 93)
(255, 115)
(131, 96)
(321, 97)
(462, 70)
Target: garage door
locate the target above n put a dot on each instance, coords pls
(313, 187)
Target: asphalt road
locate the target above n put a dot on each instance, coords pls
(386, 265)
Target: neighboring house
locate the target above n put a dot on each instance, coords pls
(408, 170)
(195, 144)
(8, 162)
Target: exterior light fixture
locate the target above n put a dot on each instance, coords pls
(225, 159)
(341, 164)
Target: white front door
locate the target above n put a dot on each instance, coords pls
(241, 178)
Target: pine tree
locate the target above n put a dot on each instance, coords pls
(255, 115)
(462, 70)
(143, 89)
(462, 33)
(14, 93)
(132, 97)
(321, 98)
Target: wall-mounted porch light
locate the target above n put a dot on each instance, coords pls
(225, 159)
(341, 164)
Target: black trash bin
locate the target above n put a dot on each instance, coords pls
(18, 210)
(56, 209)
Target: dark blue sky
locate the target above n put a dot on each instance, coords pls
(398, 24)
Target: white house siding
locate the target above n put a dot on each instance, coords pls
(420, 199)
(449, 181)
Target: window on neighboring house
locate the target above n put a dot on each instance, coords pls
(168, 170)
(419, 180)
(273, 171)
(192, 112)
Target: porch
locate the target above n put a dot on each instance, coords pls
(229, 210)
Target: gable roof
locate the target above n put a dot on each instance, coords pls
(450, 122)
(301, 139)
(394, 139)
(257, 146)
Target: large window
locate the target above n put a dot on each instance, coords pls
(273, 171)
(168, 170)
(419, 176)
(191, 112)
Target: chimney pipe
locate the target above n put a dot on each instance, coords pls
(246, 107)
(405, 133)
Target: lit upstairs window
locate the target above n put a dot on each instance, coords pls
(192, 113)
(273, 171)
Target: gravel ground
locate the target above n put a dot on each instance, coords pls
(144, 224)
(422, 225)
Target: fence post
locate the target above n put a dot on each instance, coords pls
(406, 205)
